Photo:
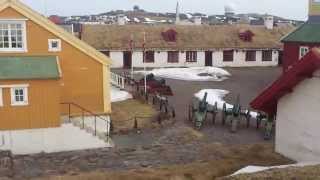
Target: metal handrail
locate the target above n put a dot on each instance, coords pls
(83, 111)
(117, 80)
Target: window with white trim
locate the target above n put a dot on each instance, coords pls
(12, 36)
(303, 51)
(19, 96)
(1, 98)
(191, 56)
(54, 45)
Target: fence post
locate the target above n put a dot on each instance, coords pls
(159, 119)
(95, 125)
(135, 123)
(82, 119)
(69, 112)
(108, 127)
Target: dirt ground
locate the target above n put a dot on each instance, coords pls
(123, 114)
(172, 152)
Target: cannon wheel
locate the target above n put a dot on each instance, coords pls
(198, 125)
(224, 113)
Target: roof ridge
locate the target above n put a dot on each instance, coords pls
(291, 33)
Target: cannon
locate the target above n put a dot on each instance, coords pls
(236, 112)
(155, 85)
(268, 124)
(199, 110)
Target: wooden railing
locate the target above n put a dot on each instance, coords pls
(84, 113)
(117, 80)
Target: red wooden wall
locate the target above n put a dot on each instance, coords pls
(291, 53)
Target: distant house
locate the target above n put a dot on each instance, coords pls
(294, 99)
(193, 45)
(42, 66)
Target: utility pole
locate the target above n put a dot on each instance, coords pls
(144, 63)
(131, 49)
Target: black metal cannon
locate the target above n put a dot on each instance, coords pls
(236, 113)
(199, 109)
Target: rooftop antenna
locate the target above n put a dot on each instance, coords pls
(44, 2)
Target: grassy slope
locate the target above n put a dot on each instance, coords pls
(234, 158)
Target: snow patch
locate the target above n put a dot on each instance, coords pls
(255, 169)
(217, 95)
(118, 95)
(190, 74)
(49, 140)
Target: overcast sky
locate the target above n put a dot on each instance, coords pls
(294, 9)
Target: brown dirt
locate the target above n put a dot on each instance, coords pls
(123, 114)
(235, 157)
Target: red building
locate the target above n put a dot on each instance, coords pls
(298, 43)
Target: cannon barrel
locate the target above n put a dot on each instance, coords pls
(203, 105)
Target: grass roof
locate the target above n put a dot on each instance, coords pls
(112, 37)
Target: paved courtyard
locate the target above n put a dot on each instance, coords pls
(170, 145)
(247, 82)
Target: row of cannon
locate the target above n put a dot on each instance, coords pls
(232, 116)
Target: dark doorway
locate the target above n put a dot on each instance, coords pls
(280, 58)
(127, 59)
(208, 58)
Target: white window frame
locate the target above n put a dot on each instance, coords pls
(1, 98)
(303, 50)
(24, 35)
(54, 49)
(25, 96)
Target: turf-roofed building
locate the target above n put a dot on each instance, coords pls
(188, 46)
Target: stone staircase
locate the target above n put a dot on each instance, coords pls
(88, 124)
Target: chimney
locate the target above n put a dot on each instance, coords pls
(121, 20)
(314, 11)
(178, 14)
(269, 22)
(197, 20)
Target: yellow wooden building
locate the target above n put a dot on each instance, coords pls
(42, 66)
